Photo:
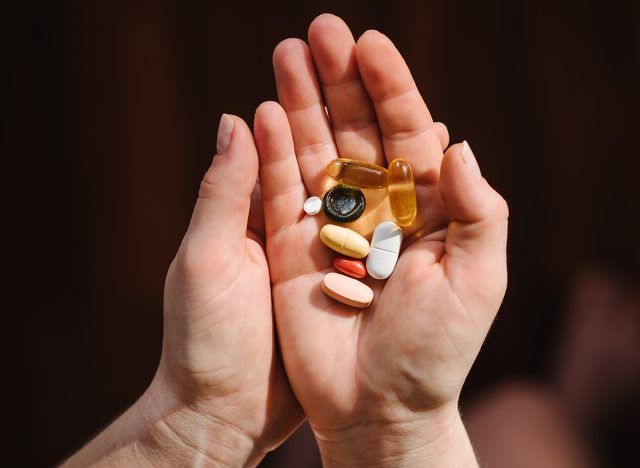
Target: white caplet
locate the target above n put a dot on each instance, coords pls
(385, 248)
(312, 205)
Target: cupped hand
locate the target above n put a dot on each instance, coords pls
(219, 361)
(400, 364)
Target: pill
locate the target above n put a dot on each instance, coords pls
(402, 192)
(312, 205)
(385, 247)
(357, 173)
(350, 267)
(343, 203)
(347, 290)
(344, 241)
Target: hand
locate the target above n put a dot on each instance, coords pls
(220, 394)
(380, 385)
(218, 352)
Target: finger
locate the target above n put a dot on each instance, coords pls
(476, 238)
(405, 122)
(225, 191)
(299, 95)
(283, 192)
(351, 113)
(443, 134)
(255, 224)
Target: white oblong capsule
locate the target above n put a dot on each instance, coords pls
(384, 250)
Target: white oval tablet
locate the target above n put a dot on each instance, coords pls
(312, 205)
(385, 248)
(347, 290)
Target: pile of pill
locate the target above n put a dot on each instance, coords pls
(345, 203)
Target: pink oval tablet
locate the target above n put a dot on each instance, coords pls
(347, 290)
(350, 267)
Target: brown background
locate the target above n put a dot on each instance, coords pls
(109, 114)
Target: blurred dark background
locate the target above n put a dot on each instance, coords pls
(109, 113)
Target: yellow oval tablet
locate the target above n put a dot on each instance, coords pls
(344, 241)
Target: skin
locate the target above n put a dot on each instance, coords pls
(220, 395)
(379, 386)
(393, 371)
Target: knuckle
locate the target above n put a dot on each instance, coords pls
(502, 207)
(200, 259)
(208, 187)
(190, 261)
(499, 208)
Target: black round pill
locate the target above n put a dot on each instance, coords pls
(343, 203)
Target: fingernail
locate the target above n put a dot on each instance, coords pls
(470, 160)
(225, 130)
(441, 123)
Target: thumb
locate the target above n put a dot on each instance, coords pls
(222, 208)
(477, 234)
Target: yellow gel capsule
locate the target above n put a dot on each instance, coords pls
(344, 241)
(357, 174)
(402, 192)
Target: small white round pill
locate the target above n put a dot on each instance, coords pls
(313, 205)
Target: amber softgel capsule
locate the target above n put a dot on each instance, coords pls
(357, 174)
(402, 192)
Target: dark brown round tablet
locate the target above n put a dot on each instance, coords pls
(343, 203)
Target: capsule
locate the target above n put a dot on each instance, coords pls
(402, 192)
(357, 174)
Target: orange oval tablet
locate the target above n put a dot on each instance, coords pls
(347, 290)
(350, 267)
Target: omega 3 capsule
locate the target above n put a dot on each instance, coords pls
(402, 192)
(357, 174)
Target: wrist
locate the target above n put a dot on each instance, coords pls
(159, 431)
(179, 434)
(437, 439)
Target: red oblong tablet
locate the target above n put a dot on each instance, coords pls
(350, 267)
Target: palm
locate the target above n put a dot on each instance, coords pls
(335, 356)
(213, 306)
(388, 361)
